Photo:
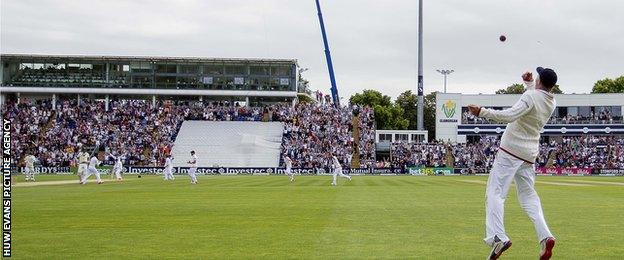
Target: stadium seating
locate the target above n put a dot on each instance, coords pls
(229, 143)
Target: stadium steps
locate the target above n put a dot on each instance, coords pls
(229, 144)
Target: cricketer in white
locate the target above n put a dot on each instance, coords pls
(337, 170)
(193, 167)
(514, 160)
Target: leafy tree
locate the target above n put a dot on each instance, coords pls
(370, 98)
(513, 89)
(608, 85)
(430, 114)
(390, 117)
(387, 114)
(303, 98)
(519, 89)
(556, 90)
(408, 101)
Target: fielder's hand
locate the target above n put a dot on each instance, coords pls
(474, 109)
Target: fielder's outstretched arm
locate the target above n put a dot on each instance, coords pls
(523, 106)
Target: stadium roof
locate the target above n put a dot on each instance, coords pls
(47, 57)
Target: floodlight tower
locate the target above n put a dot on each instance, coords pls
(421, 98)
(445, 73)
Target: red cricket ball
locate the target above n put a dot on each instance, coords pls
(502, 38)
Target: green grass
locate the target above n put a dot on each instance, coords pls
(251, 217)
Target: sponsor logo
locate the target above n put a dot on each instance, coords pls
(430, 170)
(449, 108)
(563, 171)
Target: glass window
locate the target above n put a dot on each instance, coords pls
(166, 68)
(235, 70)
(213, 69)
(417, 138)
(280, 71)
(385, 137)
(584, 111)
(141, 67)
(573, 111)
(189, 69)
(616, 111)
(403, 138)
(259, 70)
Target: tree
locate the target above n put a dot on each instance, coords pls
(303, 98)
(390, 117)
(430, 114)
(556, 90)
(370, 98)
(408, 101)
(387, 114)
(519, 89)
(608, 85)
(513, 89)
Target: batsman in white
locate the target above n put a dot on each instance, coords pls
(289, 172)
(193, 167)
(30, 167)
(92, 170)
(118, 167)
(168, 171)
(83, 161)
(514, 161)
(337, 170)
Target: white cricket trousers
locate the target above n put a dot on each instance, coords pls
(117, 173)
(82, 170)
(91, 171)
(30, 173)
(191, 174)
(338, 171)
(168, 174)
(507, 168)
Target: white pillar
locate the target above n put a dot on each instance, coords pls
(1, 99)
(153, 100)
(201, 99)
(53, 101)
(247, 101)
(106, 103)
(79, 99)
(19, 97)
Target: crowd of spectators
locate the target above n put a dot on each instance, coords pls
(144, 133)
(584, 152)
(569, 152)
(313, 132)
(604, 116)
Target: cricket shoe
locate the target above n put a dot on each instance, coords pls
(547, 246)
(498, 248)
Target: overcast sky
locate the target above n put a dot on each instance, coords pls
(373, 43)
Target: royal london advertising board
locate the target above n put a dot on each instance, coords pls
(448, 116)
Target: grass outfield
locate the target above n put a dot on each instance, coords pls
(392, 217)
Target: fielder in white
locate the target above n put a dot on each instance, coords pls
(193, 167)
(289, 172)
(92, 170)
(30, 167)
(514, 161)
(168, 172)
(118, 167)
(83, 161)
(338, 170)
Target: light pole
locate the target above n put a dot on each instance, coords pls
(421, 98)
(445, 73)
